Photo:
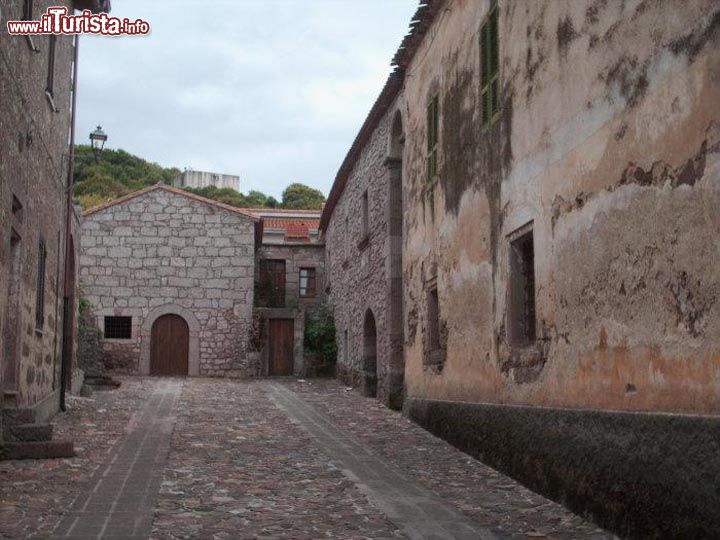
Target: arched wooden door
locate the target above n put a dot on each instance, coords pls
(170, 340)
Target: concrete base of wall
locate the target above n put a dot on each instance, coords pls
(78, 379)
(43, 411)
(639, 475)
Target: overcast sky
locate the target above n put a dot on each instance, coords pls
(273, 90)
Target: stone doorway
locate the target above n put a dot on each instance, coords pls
(370, 376)
(170, 338)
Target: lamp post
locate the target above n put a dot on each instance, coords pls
(97, 141)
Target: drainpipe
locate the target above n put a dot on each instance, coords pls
(66, 358)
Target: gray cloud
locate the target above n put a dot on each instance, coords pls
(274, 91)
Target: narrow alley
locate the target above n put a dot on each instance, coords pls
(287, 458)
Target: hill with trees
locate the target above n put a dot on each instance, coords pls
(118, 173)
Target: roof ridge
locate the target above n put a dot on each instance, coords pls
(171, 189)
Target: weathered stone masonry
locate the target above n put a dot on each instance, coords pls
(162, 251)
(360, 271)
(33, 181)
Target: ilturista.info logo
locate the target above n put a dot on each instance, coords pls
(57, 20)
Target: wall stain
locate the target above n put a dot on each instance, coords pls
(693, 42)
(657, 175)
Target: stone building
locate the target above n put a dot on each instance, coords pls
(362, 229)
(560, 173)
(36, 115)
(289, 280)
(170, 276)
(201, 179)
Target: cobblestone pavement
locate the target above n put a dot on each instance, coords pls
(35, 494)
(266, 459)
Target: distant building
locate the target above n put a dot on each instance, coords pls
(201, 179)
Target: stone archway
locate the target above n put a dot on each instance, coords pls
(369, 374)
(193, 337)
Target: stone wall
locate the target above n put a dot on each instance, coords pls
(165, 252)
(358, 272)
(297, 256)
(607, 147)
(33, 170)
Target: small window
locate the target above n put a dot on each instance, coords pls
(118, 327)
(270, 287)
(490, 66)
(50, 87)
(40, 286)
(433, 129)
(307, 283)
(522, 288)
(347, 237)
(365, 216)
(27, 10)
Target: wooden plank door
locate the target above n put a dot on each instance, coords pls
(282, 344)
(170, 343)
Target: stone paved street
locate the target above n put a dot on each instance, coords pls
(199, 458)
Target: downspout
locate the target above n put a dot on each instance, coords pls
(67, 331)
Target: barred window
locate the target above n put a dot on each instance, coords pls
(40, 286)
(118, 327)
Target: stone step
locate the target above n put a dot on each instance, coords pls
(37, 450)
(14, 416)
(28, 432)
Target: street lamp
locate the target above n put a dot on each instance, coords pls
(97, 140)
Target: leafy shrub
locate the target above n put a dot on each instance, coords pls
(320, 333)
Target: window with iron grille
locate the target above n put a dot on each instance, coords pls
(490, 67)
(308, 283)
(50, 87)
(433, 125)
(40, 286)
(118, 328)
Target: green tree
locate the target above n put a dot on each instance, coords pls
(301, 197)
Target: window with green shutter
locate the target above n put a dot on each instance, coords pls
(490, 66)
(433, 124)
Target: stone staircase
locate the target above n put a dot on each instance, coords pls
(24, 438)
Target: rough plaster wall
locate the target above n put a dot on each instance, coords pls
(608, 142)
(36, 174)
(359, 281)
(162, 248)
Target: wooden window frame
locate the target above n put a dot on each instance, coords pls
(433, 137)
(310, 289)
(490, 67)
(52, 45)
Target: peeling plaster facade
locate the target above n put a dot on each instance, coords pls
(559, 275)
(608, 143)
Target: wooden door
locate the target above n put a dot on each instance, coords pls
(169, 350)
(282, 344)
